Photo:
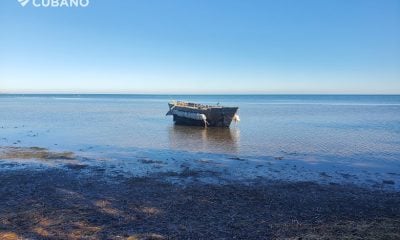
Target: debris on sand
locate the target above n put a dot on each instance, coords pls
(237, 158)
(76, 166)
(149, 161)
(391, 182)
(58, 204)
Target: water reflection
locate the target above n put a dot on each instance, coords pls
(223, 140)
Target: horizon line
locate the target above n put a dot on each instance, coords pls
(188, 94)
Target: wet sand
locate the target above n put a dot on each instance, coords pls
(72, 200)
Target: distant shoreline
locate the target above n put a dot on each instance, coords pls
(211, 94)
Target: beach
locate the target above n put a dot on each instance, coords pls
(77, 201)
(87, 167)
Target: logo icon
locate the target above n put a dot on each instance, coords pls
(23, 2)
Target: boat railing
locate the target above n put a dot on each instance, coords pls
(192, 105)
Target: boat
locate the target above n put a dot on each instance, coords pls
(194, 114)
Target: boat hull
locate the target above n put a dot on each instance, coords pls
(216, 116)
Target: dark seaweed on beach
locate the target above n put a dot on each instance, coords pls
(59, 204)
(33, 153)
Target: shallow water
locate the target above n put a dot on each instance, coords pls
(342, 126)
(292, 137)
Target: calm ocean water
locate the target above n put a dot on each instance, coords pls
(321, 126)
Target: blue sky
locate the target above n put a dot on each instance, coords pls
(202, 46)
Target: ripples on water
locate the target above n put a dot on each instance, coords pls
(272, 125)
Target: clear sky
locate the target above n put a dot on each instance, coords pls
(202, 46)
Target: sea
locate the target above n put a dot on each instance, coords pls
(353, 130)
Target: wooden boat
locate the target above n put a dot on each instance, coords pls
(185, 113)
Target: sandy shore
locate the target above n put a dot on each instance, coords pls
(72, 200)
